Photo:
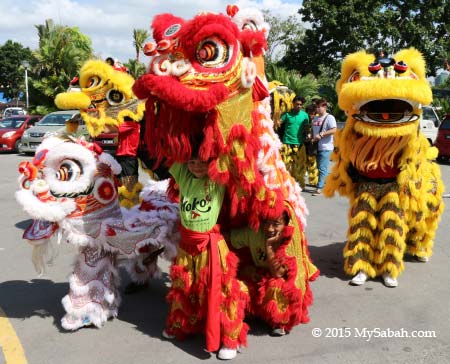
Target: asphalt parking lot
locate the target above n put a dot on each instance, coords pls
(370, 324)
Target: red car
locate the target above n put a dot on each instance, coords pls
(443, 139)
(108, 141)
(12, 128)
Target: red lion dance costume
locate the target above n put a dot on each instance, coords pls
(203, 84)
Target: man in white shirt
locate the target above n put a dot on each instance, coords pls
(324, 126)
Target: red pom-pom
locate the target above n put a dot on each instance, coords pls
(232, 10)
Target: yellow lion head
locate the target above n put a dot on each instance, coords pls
(383, 96)
(106, 97)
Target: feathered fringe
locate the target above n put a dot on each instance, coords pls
(188, 303)
(86, 283)
(43, 255)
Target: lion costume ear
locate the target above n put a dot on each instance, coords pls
(414, 59)
(166, 26)
(253, 42)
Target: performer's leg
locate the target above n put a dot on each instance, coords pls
(313, 173)
(301, 166)
(359, 249)
(425, 222)
(392, 231)
(93, 296)
(287, 155)
(187, 296)
(129, 178)
(234, 300)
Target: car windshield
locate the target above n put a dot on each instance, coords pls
(55, 119)
(12, 112)
(15, 123)
(445, 124)
(429, 114)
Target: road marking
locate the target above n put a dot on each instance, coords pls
(10, 343)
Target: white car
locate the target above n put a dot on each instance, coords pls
(13, 111)
(49, 124)
(429, 124)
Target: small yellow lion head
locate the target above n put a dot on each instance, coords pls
(106, 97)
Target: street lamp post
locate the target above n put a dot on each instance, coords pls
(26, 65)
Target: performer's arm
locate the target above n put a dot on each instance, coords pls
(277, 268)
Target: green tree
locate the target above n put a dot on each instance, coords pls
(12, 75)
(306, 86)
(283, 34)
(62, 51)
(339, 28)
(139, 38)
(136, 69)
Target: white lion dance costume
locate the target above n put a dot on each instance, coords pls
(385, 165)
(70, 188)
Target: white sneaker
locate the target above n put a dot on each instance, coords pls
(226, 353)
(167, 336)
(359, 279)
(423, 259)
(389, 281)
(278, 332)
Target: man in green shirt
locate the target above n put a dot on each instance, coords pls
(293, 150)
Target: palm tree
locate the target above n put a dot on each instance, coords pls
(62, 51)
(306, 86)
(136, 69)
(139, 38)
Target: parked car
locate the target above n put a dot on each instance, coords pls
(32, 137)
(443, 139)
(74, 126)
(107, 141)
(13, 111)
(12, 129)
(429, 124)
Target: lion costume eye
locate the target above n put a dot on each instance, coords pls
(93, 81)
(114, 97)
(355, 76)
(212, 52)
(69, 170)
(250, 25)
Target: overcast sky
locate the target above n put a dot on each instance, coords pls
(110, 23)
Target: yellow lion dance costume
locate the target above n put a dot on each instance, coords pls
(107, 103)
(385, 165)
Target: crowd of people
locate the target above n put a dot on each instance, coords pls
(307, 137)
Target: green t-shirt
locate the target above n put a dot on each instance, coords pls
(293, 129)
(254, 240)
(200, 199)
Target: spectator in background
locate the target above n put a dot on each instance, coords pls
(324, 126)
(118, 66)
(293, 150)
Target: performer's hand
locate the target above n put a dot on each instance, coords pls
(277, 270)
(274, 241)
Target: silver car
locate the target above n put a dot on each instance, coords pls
(51, 122)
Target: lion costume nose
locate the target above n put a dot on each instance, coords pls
(28, 170)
